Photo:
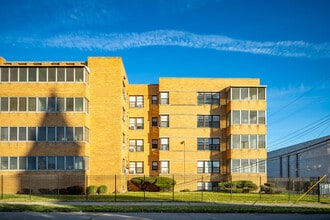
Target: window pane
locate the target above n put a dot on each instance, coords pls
(79, 163)
(244, 93)
(13, 133)
(60, 163)
(164, 98)
(41, 163)
(51, 133)
(236, 117)
(51, 75)
(32, 134)
(41, 104)
(42, 74)
(79, 75)
(69, 104)
(69, 163)
(60, 74)
(69, 74)
(61, 134)
(244, 117)
(51, 104)
(154, 99)
(51, 163)
(164, 167)
(32, 104)
(32, 163)
(22, 104)
(41, 133)
(4, 104)
(4, 74)
(253, 141)
(253, 117)
(22, 74)
(22, 133)
(32, 74)
(69, 133)
(79, 104)
(262, 117)
(253, 93)
(13, 74)
(154, 143)
(60, 104)
(236, 141)
(261, 166)
(78, 134)
(235, 166)
(22, 163)
(245, 165)
(261, 93)
(4, 163)
(244, 141)
(4, 133)
(13, 104)
(262, 141)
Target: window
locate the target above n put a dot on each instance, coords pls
(79, 74)
(154, 165)
(154, 143)
(209, 121)
(251, 141)
(42, 134)
(32, 104)
(32, 74)
(69, 74)
(22, 163)
(79, 163)
(32, 163)
(42, 104)
(164, 99)
(78, 134)
(22, 133)
(136, 123)
(136, 145)
(60, 74)
(4, 133)
(32, 134)
(42, 163)
(248, 166)
(136, 167)
(154, 122)
(164, 121)
(51, 134)
(69, 165)
(4, 104)
(248, 117)
(13, 133)
(69, 104)
(164, 145)
(60, 134)
(79, 104)
(208, 144)
(4, 163)
(4, 74)
(164, 167)
(13, 104)
(51, 104)
(69, 133)
(208, 98)
(253, 93)
(261, 93)
(13, 74)
(60, 163)
(154, 100)
(208, 186)
(136, 101)
(51, 75)
(60, 104)
(51, 165)
(42, 75)
(208, 166)
(22, 74)
(22, 104)
(13, 163)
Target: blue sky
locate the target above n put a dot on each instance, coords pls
(285, 43)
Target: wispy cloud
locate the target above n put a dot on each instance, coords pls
(122, 41)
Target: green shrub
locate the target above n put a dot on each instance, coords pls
(102, 189)
(153, 183)
(269, 188)
(91, 189)
(244, 186)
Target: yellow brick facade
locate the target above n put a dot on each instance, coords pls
(114, 142)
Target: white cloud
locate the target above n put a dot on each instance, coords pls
(121, 41)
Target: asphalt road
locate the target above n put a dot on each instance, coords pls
(156, 216)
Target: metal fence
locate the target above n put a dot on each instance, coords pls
(81, 187)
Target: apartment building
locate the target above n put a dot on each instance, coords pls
(84, 120)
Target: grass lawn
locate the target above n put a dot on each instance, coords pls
(267, 203)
